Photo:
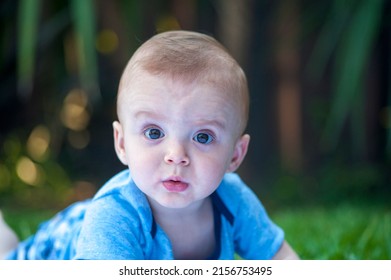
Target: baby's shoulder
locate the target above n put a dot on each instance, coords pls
(119, 197)
(233, 185)
(233, 191)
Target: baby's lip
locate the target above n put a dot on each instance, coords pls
(175, 184)
(174, 178)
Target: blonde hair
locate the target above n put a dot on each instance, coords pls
(190, 57)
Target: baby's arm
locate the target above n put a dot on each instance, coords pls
(286, 253)
(8, 239)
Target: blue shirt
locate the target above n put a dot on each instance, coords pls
(118, 224)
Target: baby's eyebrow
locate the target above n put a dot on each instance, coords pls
(146, 114)
(212, 122)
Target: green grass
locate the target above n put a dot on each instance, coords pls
(338, 232)
(25, 222)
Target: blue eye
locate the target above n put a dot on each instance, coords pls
(203, 138)
(153, 133)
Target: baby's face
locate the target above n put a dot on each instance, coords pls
(178, 140)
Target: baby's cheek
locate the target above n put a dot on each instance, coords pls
(214, 170)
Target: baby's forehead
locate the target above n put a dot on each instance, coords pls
(148, 88)
(146, 84)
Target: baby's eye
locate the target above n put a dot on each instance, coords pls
(153, 133)
(203, 138)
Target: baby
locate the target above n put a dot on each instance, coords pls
(182, 108)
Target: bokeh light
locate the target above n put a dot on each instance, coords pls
(38, 143)
(74, 113)
(83, 190)
(29, 172)
(79, 139)
(166, 23)
(106, 41)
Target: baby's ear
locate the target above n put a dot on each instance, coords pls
(240, 152)
(119, 142)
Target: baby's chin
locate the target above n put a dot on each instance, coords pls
(175, 202)
(175, 205)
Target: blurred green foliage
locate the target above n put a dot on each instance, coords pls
(352, 44)
(28, 182)
(61, 61)
(82, 17)
(26, 222)
(332, 183)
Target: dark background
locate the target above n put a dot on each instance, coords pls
(318, 72)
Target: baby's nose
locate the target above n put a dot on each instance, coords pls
(177, 154)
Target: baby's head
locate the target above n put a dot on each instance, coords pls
(182, 108)
(190, 58)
